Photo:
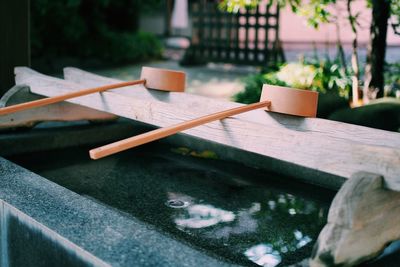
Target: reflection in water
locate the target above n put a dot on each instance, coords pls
(245, 223)
(200, 216)
(263, 255)
(177, 203)
(303, 240)
(271, 204)
(264, 233)
(292, 211)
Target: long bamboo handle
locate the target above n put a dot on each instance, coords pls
(141, 139)
(55, 99)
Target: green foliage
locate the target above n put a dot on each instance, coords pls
(321, 76)
(392, 72)
(205, 154)
(395, 10)
(233, 6)
(392, 79)
(382, 114)
(297, 75)
(90, 29)
(119, 47)
(253, 86)
(331, 77)
(315, 11)
(395, 14)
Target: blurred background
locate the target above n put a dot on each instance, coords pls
(348, 50)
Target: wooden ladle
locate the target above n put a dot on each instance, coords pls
(273, 98)
(152, 78)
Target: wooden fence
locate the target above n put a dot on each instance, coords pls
(248, 37)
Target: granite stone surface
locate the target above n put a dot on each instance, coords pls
(114, 237)
(100, 228)
(51, 222)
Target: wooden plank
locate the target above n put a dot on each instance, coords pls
(327, 147)
(204, 105)
(63, 111)
(14, 40)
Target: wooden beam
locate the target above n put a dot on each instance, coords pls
(203, 105)
(323, 146)
(14, 40)
(63, 111)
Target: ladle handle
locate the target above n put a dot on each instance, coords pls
(60, 98)
(141, 139)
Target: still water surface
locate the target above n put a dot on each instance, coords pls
(231, 212)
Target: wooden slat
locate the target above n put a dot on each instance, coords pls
(63, 111)
(329, 147)
(202, 105)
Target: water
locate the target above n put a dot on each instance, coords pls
(231, 212)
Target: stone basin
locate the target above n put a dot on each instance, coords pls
(25, 242)
(161, 204)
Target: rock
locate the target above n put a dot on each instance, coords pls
(363, 219)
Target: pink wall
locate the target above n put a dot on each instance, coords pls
(295, 29)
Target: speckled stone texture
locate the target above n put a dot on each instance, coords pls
(115, 238)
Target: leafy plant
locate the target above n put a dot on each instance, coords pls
(233, 6)
(317, 12)
(392, 79)
(330, 77)
(321, 76)
(297, 75)
(253, 86)
(104, 30)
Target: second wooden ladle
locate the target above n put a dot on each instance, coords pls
(273, 98)
(152, 78)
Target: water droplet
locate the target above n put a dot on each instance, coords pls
(177, 203)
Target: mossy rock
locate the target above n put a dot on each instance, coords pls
(381, 114)
(329, 103)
